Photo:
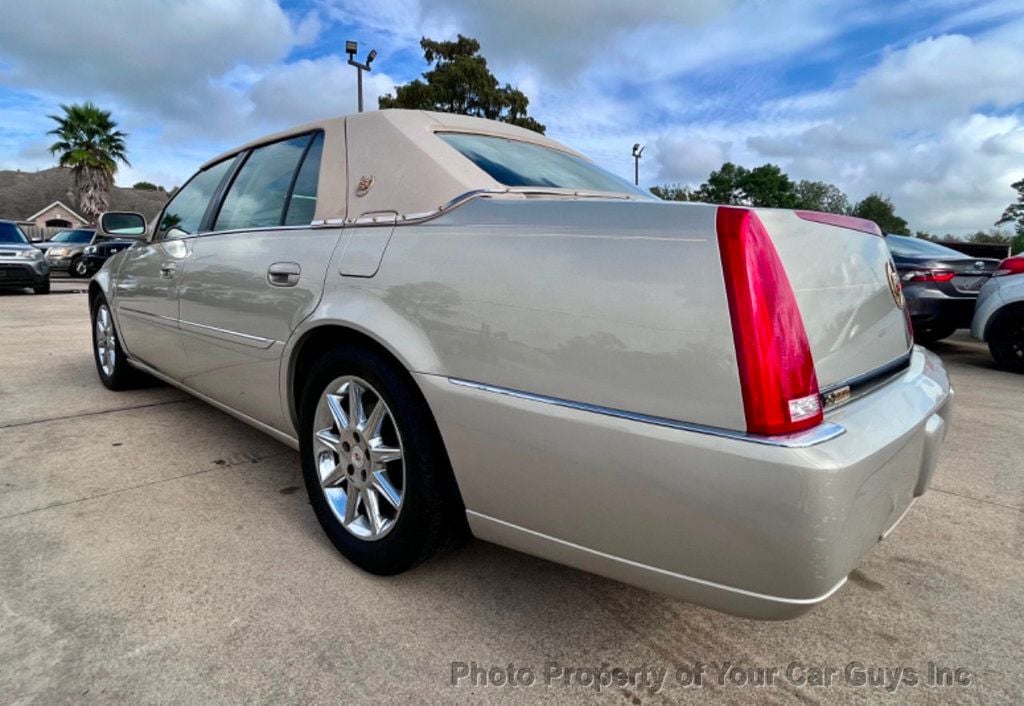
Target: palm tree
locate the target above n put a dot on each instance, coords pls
(89, 142)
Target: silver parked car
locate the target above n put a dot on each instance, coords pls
(22, 264)
(464, 325)
(999, 315)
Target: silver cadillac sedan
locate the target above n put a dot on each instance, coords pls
(466, 327)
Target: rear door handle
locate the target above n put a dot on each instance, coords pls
(284, 274)
(167, 270)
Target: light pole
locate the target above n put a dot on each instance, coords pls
(351, 48)
(637, 151)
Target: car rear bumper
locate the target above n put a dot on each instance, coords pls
(754, 529)
(933, 309)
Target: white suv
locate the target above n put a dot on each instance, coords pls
(999, 314)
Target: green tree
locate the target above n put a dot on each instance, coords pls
(89, 142)
(821, 196)
(460, 82)
(992, 236)
(724, 186)
(1014, 214)
(768, 186)
(145, 186)
(674, 192)
(879, 209)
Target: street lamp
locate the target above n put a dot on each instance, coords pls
(637, 151)
(351, 48)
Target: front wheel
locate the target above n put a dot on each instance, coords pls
(79, 267)
(1007, 345)
(115, 372)
(43, 288)
(374, 465)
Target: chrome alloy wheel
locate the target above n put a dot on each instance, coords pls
(358, 455)
(106, 340)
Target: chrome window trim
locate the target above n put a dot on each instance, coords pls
(826, 431)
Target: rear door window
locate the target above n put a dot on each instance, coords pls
(258, 196)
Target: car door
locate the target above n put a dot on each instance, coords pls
(147, 283)
(255, 276)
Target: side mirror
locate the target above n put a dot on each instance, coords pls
(118, 224)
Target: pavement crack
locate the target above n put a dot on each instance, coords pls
(979, 500)
(14, 425)
(219, 467)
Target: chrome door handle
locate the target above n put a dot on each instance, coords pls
(284, 274)
(167, 271)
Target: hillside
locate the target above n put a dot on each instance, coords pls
(24, 193)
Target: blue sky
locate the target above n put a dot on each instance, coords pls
(921, 100)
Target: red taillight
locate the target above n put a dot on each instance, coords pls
(780, 388)
(928, 276)
(1010, 266)
(833, 219)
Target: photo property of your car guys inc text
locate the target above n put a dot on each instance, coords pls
(445, 351)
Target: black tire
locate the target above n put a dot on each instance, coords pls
(931, 335)
(122, 375)
(43, 288)
(1006, 343)
(432, 517)
(78, 267)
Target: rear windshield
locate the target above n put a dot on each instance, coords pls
(919, 247)
(515, 163)
(11, 233)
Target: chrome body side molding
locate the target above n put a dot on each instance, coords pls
(812, 437)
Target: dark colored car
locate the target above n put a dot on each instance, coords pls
(940, 284)
(64, 250)
(22, 265)
(100, 250)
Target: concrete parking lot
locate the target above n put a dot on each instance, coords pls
(155, 549)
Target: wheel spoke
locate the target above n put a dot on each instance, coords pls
(355, 404)
(372, 510)
(374, 420)
(340, 418)
(379, 455)
(329, 439)
(351, 501)
(334, 478)
(386, 490)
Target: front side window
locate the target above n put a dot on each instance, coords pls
(515, 163)
(257, 197)
(184, 213)
(11, 233)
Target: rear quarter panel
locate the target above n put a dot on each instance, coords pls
(610, 303)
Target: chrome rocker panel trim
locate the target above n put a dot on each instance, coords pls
(825, 431)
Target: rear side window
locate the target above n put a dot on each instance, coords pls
(515, 163)
(258, 195)
(302, 202)
(184, 213)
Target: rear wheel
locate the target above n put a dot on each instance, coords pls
(374, 465)
(1006, 344)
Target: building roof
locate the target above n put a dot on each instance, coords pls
(25, 193)
(63, 205)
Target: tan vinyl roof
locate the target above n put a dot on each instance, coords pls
(411, 170)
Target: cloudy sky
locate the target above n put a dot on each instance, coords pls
(921, 99)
